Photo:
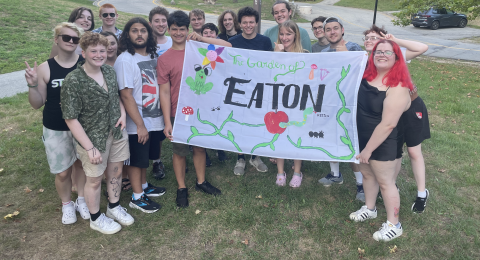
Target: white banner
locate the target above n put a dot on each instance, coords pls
(274, 104)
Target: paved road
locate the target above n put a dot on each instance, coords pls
(442, 42)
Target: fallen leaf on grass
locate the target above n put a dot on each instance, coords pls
(102, 246)
(245, 242)
(265, 205)
(470, 166)
(442, 170)
(361, 251)
(12, 215)
(24, 131)
(41, 190)
(431, 87)
(258, 197)
(393, 249)
(27, 190)
(1, 155)
(197, 211)
(372, 224)
(1, 169)
(348, 221)
(23, 238)
(473, 111)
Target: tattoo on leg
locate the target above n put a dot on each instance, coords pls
(396, 212)
(115, 169)
(115, 185)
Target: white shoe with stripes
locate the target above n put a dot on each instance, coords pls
(363, 214)
(387, 232)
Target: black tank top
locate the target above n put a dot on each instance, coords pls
(52, 113)
(369, 115)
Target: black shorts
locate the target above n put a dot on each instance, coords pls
(416, 124)
(140, 154)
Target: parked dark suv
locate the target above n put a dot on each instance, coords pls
(434, 18)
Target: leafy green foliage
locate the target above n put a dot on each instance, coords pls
(411, 7)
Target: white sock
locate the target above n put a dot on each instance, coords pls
(358, 177)
(422, 194)
(66, 203)
(137, 196)
(157, 161)
(145, 185)
(335, 168)
(81, 199)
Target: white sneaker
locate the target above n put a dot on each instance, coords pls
(82, 209)
(239, 167)
(363, 214)
(258, 164)
(69, 216)
(120, 214)
(105, 225)
(387, 232)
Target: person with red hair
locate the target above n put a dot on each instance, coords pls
(382, 98)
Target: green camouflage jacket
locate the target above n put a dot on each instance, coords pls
(96, 110)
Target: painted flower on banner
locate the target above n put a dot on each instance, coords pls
(212, 55)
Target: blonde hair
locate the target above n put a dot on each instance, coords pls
(292, 26)
(72, 26)
(93, 39)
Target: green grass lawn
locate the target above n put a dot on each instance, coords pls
(26, 29)
(383, 5)
(306, 223)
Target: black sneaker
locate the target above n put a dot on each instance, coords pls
(207, 160)
(182, 198)
(420, 204)
(158, 170)
(153, 191)
(207, 188)
(144, 204)
(221, 155)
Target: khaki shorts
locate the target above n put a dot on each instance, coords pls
(179, 149)
(116, 151)
(60, 149)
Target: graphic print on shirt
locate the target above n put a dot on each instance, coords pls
(150, 97)
(160, 52)
(57, 83)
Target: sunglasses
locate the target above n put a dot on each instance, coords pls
(67, 38)
(105, 15)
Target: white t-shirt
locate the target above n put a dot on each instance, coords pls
(140, 74)
(404, 53)
(161, 48)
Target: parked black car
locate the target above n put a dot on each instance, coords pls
(435, 18)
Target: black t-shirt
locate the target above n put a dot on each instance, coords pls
(259, 43)
(224, 36)
(52, 112)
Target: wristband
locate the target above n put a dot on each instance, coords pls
(32, 86)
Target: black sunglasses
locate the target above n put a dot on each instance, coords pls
(67, 38)
(105, 15)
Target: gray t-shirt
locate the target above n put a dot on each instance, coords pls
(351, 46)
(318, 48)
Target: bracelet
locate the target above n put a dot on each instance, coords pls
(90, 149)
(32, 86)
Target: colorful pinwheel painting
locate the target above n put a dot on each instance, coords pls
(212, 55)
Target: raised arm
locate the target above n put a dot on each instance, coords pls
(197, 37)
(37, 78)
(395, 103)
(414, 49)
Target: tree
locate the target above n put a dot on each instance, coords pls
(411, 7)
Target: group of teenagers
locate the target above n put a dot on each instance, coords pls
(110, 98)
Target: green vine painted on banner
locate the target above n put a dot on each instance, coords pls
(230, 137)
(345, 139)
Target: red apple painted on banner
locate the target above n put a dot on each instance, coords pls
(273, 120)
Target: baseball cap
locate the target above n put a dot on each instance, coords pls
(332, 19)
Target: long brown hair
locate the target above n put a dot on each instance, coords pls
(292, 26)
(77, 12)
(222, 28)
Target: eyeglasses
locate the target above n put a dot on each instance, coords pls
(384, 53)
(320, 28)
(105, 15)
(371, 38)
(67, 38)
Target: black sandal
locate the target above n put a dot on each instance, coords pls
(126, 185)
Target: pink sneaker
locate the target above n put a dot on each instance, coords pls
(281, 180)
(296, 181)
